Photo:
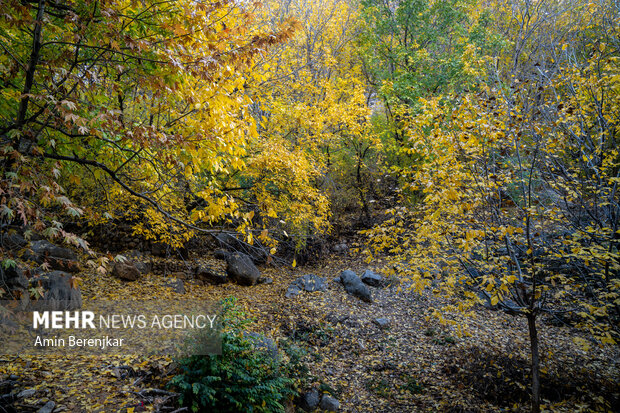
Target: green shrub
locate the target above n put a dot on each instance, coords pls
(243, 378)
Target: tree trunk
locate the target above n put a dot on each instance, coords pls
(531, 322)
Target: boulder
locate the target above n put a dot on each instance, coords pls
(142, 263)
(126, 271)
(58, 292)
(265, 280)
(221, 255)
(372, 278)
(209, 275)
(241, 269)
(308, 282)
(354, 285)
(309, 400)
(12, 241)
(329, 403)
(58, 258)
(13, 277)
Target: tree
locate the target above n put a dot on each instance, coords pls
(517, 177)
(141, 105)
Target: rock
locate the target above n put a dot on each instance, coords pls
(372, 278)
(210, 275)
(241, 269)
(58, 293)
(125, 271)
(263, 280)
(341, 248)
(13, 277)
(58, 258)
(354, 286)
(47, 408)
(142, 263)
(12, 241)
(176, 285)
(382, 322)
(262, 343)
(46, 248)
(221, 255)
(329, 404)
(309, 400)
(293, 291)
(308, 282)
(26, 393)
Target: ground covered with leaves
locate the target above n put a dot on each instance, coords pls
(413, 364)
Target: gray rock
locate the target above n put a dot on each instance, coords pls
(372, 278)
(382, 322)
(58, 294)
(47, 408)
(241, 269)
(126, 271)
(263, 280)
(341, 248)
(176, 285)
(12, 241)
(58, 258)
(13, 278)
(329, 404)
(142, 263)
(308, 282)
(354, 286)
(221, 255)
(311, 283)
(210, 275)
(293, 291)
(309, 400)
(262, 343)
(46, 248)
(26, 393)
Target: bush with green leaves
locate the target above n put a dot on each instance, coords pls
(243, 378)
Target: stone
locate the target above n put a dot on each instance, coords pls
(341, 248)
(293, 291)
(13, 277)
(308, 282)
(262, 343)
(309, 400)
(12, 241)
(176, 285)
(47, 407)
(329, 403)
(354, 286)
(46, 248)
(142, 263)
(221, 255)
(26, 393)
(125, 271)
(57, 258)
(209, 275)
(265, 280)
(58, 291)
(382, 322)
(372, 278)
(241, 269)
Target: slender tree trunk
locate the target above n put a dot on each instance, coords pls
(531, 322)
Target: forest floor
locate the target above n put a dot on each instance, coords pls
(415, 364)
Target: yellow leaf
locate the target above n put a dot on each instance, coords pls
(294, 264)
